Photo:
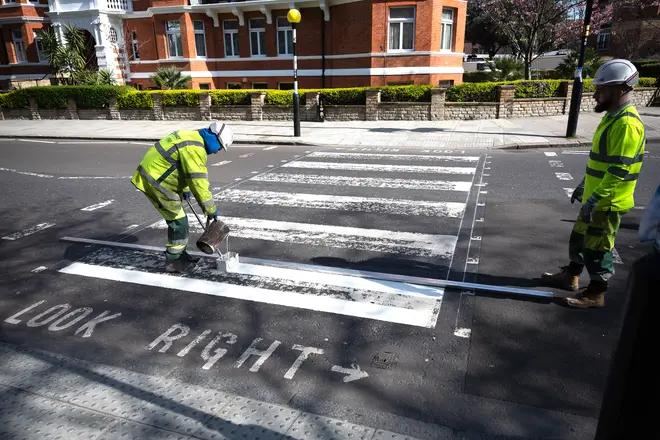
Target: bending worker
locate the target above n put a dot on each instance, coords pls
(175, 168)
(607, 190)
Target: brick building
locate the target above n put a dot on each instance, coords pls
(248, 44)
(634, 33)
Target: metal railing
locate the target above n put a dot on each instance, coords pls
(119, 5)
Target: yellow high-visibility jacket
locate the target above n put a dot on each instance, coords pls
(615, 160)
(175, 164)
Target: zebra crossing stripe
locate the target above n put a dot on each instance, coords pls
(366, 182)
(379, 167)
(409, 157)
(347, 203)
(343, 237)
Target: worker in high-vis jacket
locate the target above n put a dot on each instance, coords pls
(607, 190)
(173, 169)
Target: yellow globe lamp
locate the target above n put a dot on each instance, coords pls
(293, 16)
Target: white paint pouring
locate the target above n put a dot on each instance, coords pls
(403, 157)
(424, 316)
(25, 232)
(372, 240)
(378, 167)
(363, 182)
(98, 206)
(347, 203)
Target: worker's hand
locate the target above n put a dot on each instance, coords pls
(577, 194)
(587, 210)
(212, 216)
(187, 195)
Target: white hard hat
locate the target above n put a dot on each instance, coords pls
(224, 132)
(615, 72)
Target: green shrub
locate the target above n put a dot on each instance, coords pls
(230, 97)
(643, 82)
(648, 68)
(348, 96)
(135, 100)
(649, 82)
(93, 96)
(473, 92)
(477, 77)
(537, 89)
(180, 98)
(15, 99)
(415, 93)
(281, 97)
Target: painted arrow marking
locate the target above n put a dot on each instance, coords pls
(352, 374)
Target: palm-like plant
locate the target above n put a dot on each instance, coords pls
(170, 78)
(69, 57)
(592, 62)
(506, 68)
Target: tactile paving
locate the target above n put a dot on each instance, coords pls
(136, 431)
(311, 426)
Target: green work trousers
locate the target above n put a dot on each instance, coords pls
(591, 245)
(177, 225)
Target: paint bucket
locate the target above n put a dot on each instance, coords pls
(215, 233)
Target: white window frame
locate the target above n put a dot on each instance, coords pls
(135, 45)
(19, 46)
(176, 33)
(262, 50)
(233, 36)
(400, 22)
(38, 44)
(201, 32)
(603, 39)
(447, 24)
(287, 29)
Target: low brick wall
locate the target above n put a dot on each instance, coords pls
(404, 111)
(523, 108)
(470, 110)
(92, 113)
(182, 114)
(345, 112)
(231, 112)
(54, 113)
(10, 113)
(130, 114)
(280, 113)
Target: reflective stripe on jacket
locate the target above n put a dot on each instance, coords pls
(615, 160)
(175, 164)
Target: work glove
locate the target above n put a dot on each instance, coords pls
(187, 195)
(212, 216)
(587, 210)
(578, 192)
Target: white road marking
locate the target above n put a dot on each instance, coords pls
(463, 332)
(550, 153)
(270, 148)
(409, 157)
(352, 374)
(39, 269)
(564, 176)
(25, 232)
(27, 173)
(367, 182)
(569, 192)
(374, 240)
(36, 141)
(246, 155)
(556, 164)
(92, 177)
(98, 205)
(132, 227)
(224, 162)
(419, 318)
(378, 167)
(348, 203)
(616, 257)
(141, 143)
(575, 152)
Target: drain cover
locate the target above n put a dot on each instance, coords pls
(384, 360)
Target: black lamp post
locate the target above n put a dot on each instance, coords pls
(576, 97)
(294, 18)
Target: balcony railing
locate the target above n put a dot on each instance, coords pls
(118, 5)
(213, 2)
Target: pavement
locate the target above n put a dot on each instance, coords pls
(97, 342)
(543, 132)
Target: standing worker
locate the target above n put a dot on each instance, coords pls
(607, 190)
(175, 168)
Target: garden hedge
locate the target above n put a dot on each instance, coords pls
(98, 97)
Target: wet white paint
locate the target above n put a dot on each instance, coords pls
(365, 182)
(262, 355)
(424, 317)
(374, 240)
(39, 269)
(98, 205)
(616, 257)
(27, 173)
(131, 227)
(305, 352)
(246, 155)
(221, 163)
(564, 176)
(211, 354)
(346, 203)
(378, 167)
(463, 332)
(550, 153)
(406, 157)
(25, 232)
(575, 152)
(270, 148)
(556, 164)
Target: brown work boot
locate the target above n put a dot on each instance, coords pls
(592, 296)
(177, 266)
(562, 280)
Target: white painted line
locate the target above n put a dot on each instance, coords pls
(347, 203)
(25, 232)
(373, 240)
(556, 164)
(418, 318)
(246, 155)
(550, 153)
(564, 176)
(224, 162)
(569, 192)
(141, 143)
(132, 227)
(366, 182)
(98, 206)
(575, 152)
(36, 141)
(378, 167)
(408, 157)
(472, 261)
(639, 207)
(270, 148)
(616, 257)
(39, 269)
(92, 177)
(27, 173)
(237, 179)
(463, 332)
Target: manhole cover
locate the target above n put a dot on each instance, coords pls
(384, 360)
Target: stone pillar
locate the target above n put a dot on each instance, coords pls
(505, 97)
(373, 101)
(566, 91)
(72, 108)
(257, 100)
(205, 106)
(34, 108)
(113, 110)
(312, 106)
(438, 96)
(158, 114)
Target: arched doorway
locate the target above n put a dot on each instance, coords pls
(91, 62)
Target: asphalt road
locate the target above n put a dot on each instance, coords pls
(497, 364)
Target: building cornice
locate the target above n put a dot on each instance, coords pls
(23, 19)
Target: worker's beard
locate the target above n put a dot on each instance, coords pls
(603, 106)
